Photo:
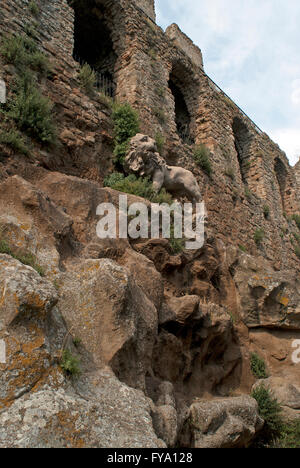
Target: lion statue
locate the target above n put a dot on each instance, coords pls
(144, 159)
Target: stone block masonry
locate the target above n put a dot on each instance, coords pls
(162, 76)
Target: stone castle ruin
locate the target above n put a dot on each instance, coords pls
(146, 320)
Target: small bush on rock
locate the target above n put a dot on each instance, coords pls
(70, 364)
(201, 157)
(14, 139)
(141, 187)
(270, 411)
(87, 78)
(259, 236)
(32, 111)
(126, 126)
(258, 366)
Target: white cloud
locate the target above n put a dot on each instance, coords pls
(289, 140)
(251, 49)
(295, 96)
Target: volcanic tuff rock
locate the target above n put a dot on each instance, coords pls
(182, 326)
(222, 423)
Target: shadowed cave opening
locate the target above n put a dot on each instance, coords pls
(242, 141)
(182, 115)
(93, 43)
(281, 176)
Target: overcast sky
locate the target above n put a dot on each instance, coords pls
(251, 48)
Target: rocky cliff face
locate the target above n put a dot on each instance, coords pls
(164, 340)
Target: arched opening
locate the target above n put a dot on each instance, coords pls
(242, 142)
(93, 43)
(181, 87)
(281, 175)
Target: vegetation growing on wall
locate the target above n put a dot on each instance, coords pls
(27, 109)
(202, 158)
(141, 187)
(126, 126)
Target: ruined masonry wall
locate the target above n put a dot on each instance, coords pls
(146, 58)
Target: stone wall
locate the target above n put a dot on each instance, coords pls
(250, 173)
(148, 6)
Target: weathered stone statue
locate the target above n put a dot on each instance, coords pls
(144, 159)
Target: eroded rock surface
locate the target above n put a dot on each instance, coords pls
(222, 423)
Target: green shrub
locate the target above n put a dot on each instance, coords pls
(160, 115)
(23, 52)
(70, 364)
(126, 126)
(270, 411)
(248, 192)
(258, 366)
(296, 218)
(141, 187)
(77, 341)
(242, 248)
(160, 142)
(266, 211)
(87, 78)
(297, 251)
(201, 156)
(259, 236)
(230, 173)
(15, 140)
(290, 435)
(23, 257)
(176, 245)
(32, 112)
(33, 8)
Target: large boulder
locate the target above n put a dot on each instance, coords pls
(30, 326)
(112, 316)
(222, 423)
(268, 298)
(286, 390)
(100, 413)
(196, 348)
(31, 223)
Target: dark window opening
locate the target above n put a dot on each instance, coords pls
(93, 44)
(242, 141)
(281, 175)
(182, 115)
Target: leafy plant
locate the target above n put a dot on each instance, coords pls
(15, 140)
(141, 187)
(248, 192)
(296, 218)
(297, 251)
(290, 435)
(23, 52)
(242, 248)
(77, 341)
(70, 364)
(266, 211)
(160, 142)
(270, 411)
(230, 173)
(126, 126)
(32, 112)
(87, 78)
(33, 8)
(201, 156)
(259, 236)
(258, 366)
(160, 115)
(23, 257)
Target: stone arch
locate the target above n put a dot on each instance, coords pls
(182, 87)
(282, 178)
(242, 143)
(96, 35)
